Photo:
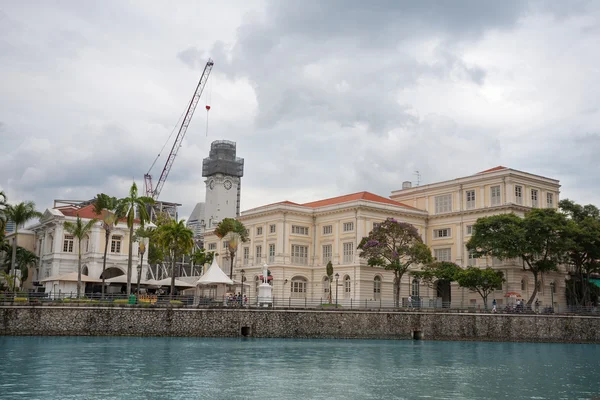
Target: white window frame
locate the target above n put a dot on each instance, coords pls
(327, 253)
(347, 285)
(116, 242)
(471, 260)
(443, 254)
(300, 230)
(469, 230)
(519, 194)
(348, 227)
(415, 288)
(246, 255)
(442, 233)
(259, 230)
(495, 196)
(348, 252)
(212, 246)
(272, 228)
(327, 229)
(550, 200)
(471, 199)
(271, 252)
(68, 243)
(377, 288)
(299, 254)
(535, 198)
(443, 204)
(298, 287)
(258, 255)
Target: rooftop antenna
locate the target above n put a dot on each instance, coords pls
(418, 174)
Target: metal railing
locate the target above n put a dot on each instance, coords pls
(151, 300)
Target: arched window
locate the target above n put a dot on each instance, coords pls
(553, 287)
(84, 270)
(415, 287)
(298, 287)
(377, 288)
(326, 286)
(86, 244)
(347, 286)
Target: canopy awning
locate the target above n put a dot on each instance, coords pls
(178, 283)
(595, 282)
(70, 277)
(214, 276)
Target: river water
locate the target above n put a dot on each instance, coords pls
(203, 368)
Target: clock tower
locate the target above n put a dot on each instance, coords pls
(223, 172)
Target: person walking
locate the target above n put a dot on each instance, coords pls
(494, 306)
(409, 301)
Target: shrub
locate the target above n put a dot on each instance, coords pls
(120, 301)
(20, 300)
(176, 302)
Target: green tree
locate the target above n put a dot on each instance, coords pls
(201, 257)
(20, 214)
(329, 271)
(179, 240)
(79, 230)
(439, 271)
(482, 281)
(2, 215)
(105, 207)
(234, 232)
(132, 207)
(583, 238)
(538, 240)
(143, 235)
(25, 259)
(395, 246)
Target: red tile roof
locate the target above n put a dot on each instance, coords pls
(498, 168)
(354, 197)
(85, 212)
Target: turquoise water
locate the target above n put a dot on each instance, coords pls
(200, 368)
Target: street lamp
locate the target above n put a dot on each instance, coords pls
(337, 276)
(242, 297)
(142, 250)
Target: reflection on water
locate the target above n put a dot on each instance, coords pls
(202, 368)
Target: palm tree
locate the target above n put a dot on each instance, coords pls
(2, 216)
(179, 240)
(235, 232)
(131, 207)
(79, 230)
(105, 207)
(19, 214)
(142, 235)
(25, 259)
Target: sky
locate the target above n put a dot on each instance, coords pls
(323, 98)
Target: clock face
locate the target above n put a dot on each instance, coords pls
(227, 185)
(211, 184)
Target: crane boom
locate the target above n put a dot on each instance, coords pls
(154, 193)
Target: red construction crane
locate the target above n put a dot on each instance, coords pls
(154, 193)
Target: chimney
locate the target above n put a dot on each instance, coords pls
(406, 185)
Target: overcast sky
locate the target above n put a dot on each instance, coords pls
(323, 97)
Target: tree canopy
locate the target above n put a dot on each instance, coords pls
(179, 240)
(234, 232)
(395, 246)
(537, 240)
(480, 280)
(79, 230)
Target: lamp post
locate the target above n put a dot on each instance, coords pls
(242, 299)
(142, 250)
(337, 276)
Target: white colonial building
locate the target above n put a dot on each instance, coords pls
(57, 249)
(297, 240)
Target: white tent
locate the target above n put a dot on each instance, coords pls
(66, 283)
(167, 282)
(214, 276)
(70, 277)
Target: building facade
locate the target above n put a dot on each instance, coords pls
(57, 249)
(297, 240)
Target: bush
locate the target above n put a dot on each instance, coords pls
(328, 305)
(120, 301)
(20, 300)
(176, 302)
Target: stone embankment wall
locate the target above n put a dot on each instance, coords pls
(124, 321)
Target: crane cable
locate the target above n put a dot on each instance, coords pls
(167, 141)
(208, 98)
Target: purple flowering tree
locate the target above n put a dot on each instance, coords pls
(395, 246)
